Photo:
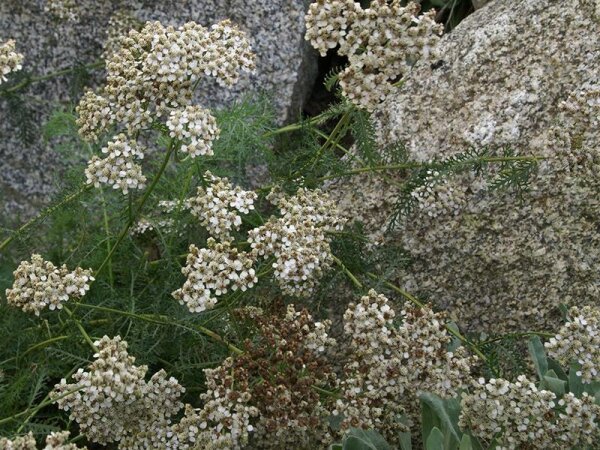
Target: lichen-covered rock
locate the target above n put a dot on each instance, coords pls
(522, 74)
(57, 34)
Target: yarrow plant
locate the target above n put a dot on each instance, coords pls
(298, 239)
(579, 341)
(381, 43)
(212, 272)
(112, 401)
(54, 441)
(517, 415)
(40, 284)
(152, 74)
(287, 331)
(10, 59)
(389, 365)
(120, 168)
(219, 206)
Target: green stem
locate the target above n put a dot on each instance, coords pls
(335, 135)
(84, 333)
(397, 289)
(35, 410)
(44, 344)
(518, 335)
(139, 208)
(349, 274)
(163, 320)
(296, 126)
(58, 73)
(48, 211)
(325, 392)
(107, 231)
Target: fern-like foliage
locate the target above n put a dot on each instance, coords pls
(22, 116)
(514, 175)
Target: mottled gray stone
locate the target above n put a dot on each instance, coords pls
(502, 74)
(286, 68)
(521, 74)
(477, 4)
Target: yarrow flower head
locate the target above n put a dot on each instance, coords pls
(224, 421)
(381, 42)
(259, 398)
(112, 402)
(40, 284)
(388, 365)
(219, 205)
(212, 272)
(579, 341)
(54, 441)
(298, 239)
(154, 71)
(519, 415)
(10, 59)
(196, 127)
(120, 168)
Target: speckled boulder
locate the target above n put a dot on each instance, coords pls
(286, 68)
(518, 73)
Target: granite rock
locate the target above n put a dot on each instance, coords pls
(286, 70)
(521, 74)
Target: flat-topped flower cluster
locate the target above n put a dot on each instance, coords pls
(112, 402)
(297, 239)
(381, 42)
(54, 441)
(40, 284)
(519, 415)
(578, 341)
(10, 59)
(151, 74)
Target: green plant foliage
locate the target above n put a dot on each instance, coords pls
(357, 439)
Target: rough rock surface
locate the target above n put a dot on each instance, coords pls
(286, 68)
(480, 3)
(522, 74)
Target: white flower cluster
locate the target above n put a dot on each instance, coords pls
(10, 59)
(388, 365)
(224, 420)
(120, 168)
(519, 415)
(54, 441)
(579, 340)
(381, 42)
(219, 205)
(196, 127)
(112, 402)
(212, 272)
(65, 10)
(436, 196)
(153, 73)
(40, 284)
(298, 239)
(155, 70)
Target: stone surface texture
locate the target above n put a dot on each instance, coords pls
(286, 69)
(517, 73)
(480, 3)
